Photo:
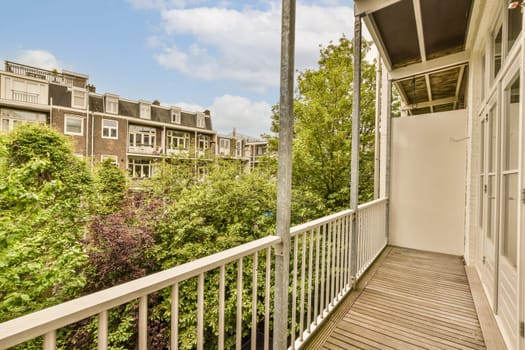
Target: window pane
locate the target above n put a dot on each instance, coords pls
(497, 51)
(492, 139)
(512, 125)
(74, 126)
(5, 124)
(113, 132)
(491, 206)
(514, 26)
(105, 132)
(510, 230)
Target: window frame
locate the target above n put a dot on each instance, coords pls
(110, 128)
(73, 117)
(104, 157)
(144, 107)
(111, 101)
(175, 117)
(201, 121)
(73, 92)
(170, 137)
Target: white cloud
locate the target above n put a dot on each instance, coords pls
(248, 117)
(39, 58)
(244, 44)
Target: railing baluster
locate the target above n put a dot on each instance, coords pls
(238, 328)
(328, 259)
(254, 300)
(50, 341)
(336, 259)
(346, 250)
(222, 279)
(267, 299)
(103, 330)
(175, 317)
(294, 290)
(317, 309)
(310, 267)
(200, 312)
(323, 275)
(303, 277)
(143, 323)
(332, 269)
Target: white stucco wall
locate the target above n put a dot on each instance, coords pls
(428, 169)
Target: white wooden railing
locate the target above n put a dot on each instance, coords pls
(320, 276)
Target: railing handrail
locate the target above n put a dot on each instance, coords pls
(318, 222)
(372, 203)
(325, 219)
(38, 323)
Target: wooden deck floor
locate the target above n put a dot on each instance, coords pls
(414, 300)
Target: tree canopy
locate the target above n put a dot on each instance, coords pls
(323, 125)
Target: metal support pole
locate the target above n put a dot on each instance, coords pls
(354, 166)
(377, 129)
(284, 176)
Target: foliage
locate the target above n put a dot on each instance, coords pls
(323, 126)
(220, 211)
(44, 200)
(110, 185)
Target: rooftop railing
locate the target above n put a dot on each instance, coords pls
(320, 277)
(45, 75)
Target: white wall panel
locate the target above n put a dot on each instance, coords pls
(428, 182)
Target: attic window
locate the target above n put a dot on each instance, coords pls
(201, 123)
(145, 111)
(175, 116)
(78, 98)
(111, 104)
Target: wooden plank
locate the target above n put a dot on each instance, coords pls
(415, 300)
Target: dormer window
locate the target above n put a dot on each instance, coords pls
(145, 110)
(175, 115)
(201, 123)
(112, 104)
(78, 98)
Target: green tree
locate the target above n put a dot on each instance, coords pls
(110, 185)
(323, 125)
(44, 200)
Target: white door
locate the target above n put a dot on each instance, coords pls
(508, 242)
(489, 180)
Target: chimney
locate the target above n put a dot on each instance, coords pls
(234, 132)
(207, 112)
(92, 88)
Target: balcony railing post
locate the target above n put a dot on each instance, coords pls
(354, 167)
(284, 175)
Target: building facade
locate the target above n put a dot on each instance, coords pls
(135, 135)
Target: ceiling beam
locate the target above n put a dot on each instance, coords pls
(429, 90)
(458, 86)
(378, 41)
(441, 101)
(363, 7)
(420, 32)
(429, 66)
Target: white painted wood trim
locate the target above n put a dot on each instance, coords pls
(369, 6)
(431, 65)
(33, 325)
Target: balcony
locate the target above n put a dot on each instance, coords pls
(22, 96)
(322, 262)
(71, 79)
(143, 149)
(407, 299)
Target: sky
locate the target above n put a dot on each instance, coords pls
(220, 55)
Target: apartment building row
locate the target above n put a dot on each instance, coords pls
(135, 135)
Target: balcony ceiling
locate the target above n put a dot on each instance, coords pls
(423, 44)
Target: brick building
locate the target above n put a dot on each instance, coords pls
(134, 134)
